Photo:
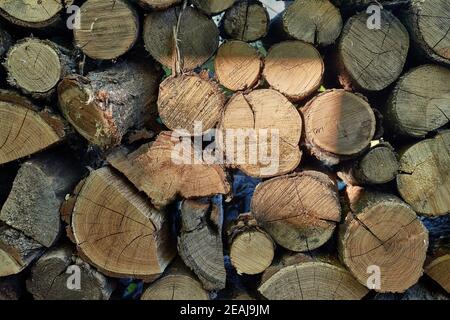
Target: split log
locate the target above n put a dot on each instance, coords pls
(108, 28)
(5, 42)
(300, 211)
(383, 232)
(260, 133)
(36, 66)
(34, 14)
(10, 288)
(24, 129)
(200, 241)
(437, 268)
(105, 104)
(38, 191)
(177, 283)
(116, 230)
(166, 169)
(195, 48)
(51, 278)
(246, 20)
(420, 102)
(213, 7)
(427, 22)
(157, 4)
(316, 22)
(17, 251)
(379, 165)
(423, 180)
(294, 68)
(372, 59)
(301, 277)
(251, 248)
(339, 125)
(238, 65)
(188, 100)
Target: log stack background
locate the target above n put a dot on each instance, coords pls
(89, 182)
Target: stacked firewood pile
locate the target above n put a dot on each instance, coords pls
(169, 149)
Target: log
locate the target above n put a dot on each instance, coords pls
(177, 283)
(238, 66)
(188, 100)
(303, 277)
(17, 251)
(36, 66)
(25, 129)
(246, 20)
(251, 248)
(38, 191)
(108, 28)
(165, 170)
(420, 102)
(427, 23)
(300, 211)
(5, 42)
(294, 68)
(103, 105)
(371, 59)
(377, 166)
(200, 241)
(315, 22)
(34, 14)
(51, 278)
(260, 133)
(213, 7)
(339, 125)
(117, 230)
(382, 231)
(437, 268)
(194, 47)
(157, 4)
(423, 180)
(10, 288)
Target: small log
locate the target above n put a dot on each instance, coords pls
(177, 283)
(238, 65)
(194, 47)
(372, 59)
(437, 268)
(339, 125)
(382, 231)
(17, 251)
(105, 104)
(190, 99)
(51, 278)
(427, 22)
(251, 248)
(34, 14)
(200, 241)
(213, 7)
(157, 4)
(5, 42)
(294, 68)
(108, 28)
(300, 211)
(24, 129)
(165, 170)
(260, 133)
(10, 288)
(116, 230)
(423, 180)
(302, 277)
(36, 66)
(379, 165)
(420, 102)
(316, 22)
(38, 191)
(246, 20)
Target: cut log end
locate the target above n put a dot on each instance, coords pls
(238, 65)
(437, 269)
(294, 68)
(299, 211)
(213, 7)
(339, 125)
(158, 4)
(108, 28)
